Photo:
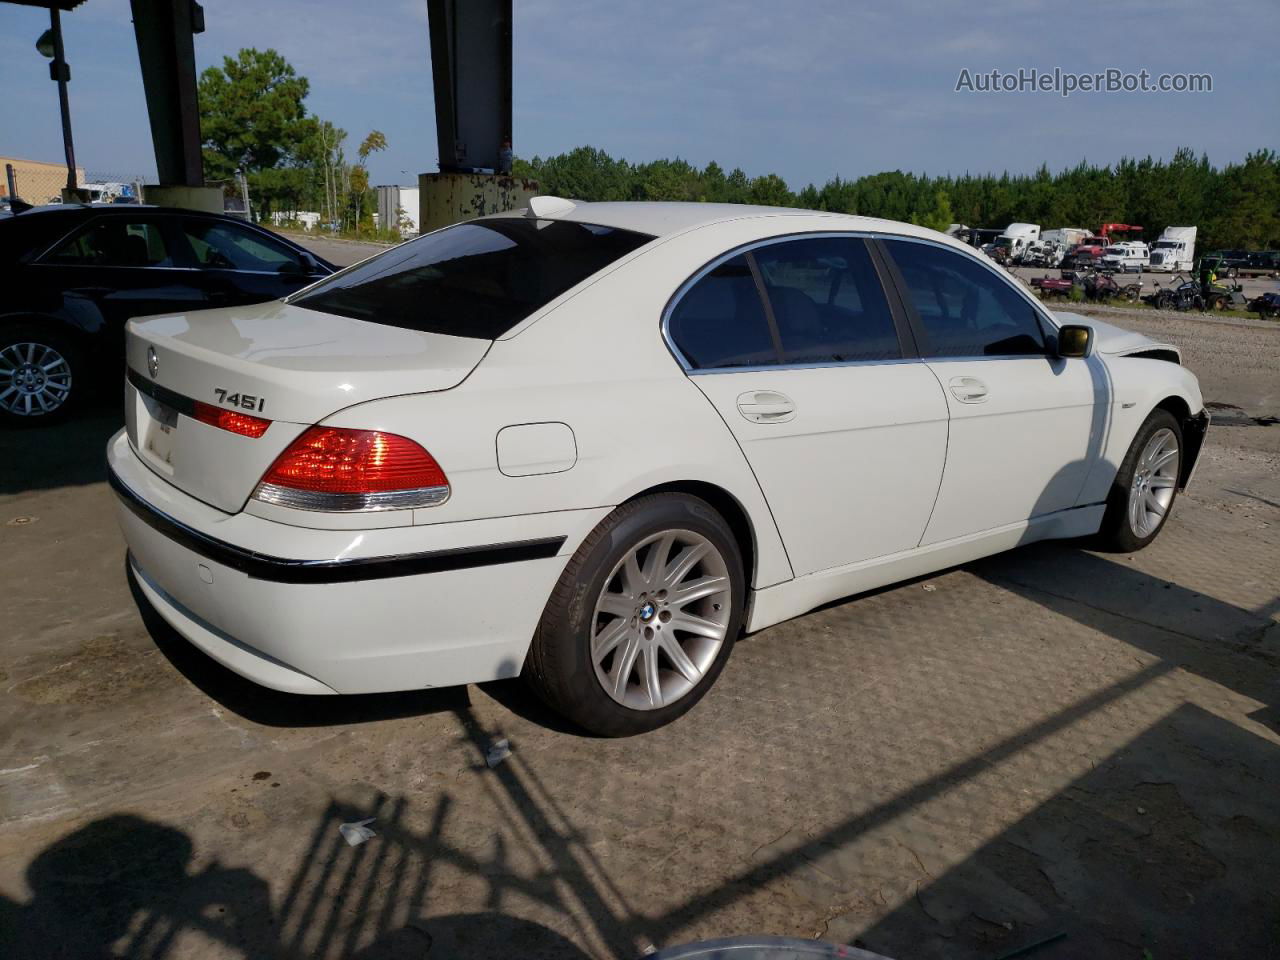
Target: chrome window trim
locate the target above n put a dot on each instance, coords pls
(40, 259)
(688, 284)
(753, 245)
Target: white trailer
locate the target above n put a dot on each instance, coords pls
(1175, 250)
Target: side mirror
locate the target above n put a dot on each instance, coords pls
(1075, 341)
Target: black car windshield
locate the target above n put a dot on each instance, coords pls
(476, 279)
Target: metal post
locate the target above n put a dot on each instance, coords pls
(61, 73)
(13, 184)
(244, 194)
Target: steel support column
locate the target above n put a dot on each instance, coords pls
(166, 52)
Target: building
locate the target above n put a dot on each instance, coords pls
(35, 181)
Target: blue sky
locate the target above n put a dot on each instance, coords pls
(807, 90)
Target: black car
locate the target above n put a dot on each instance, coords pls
(71, 276)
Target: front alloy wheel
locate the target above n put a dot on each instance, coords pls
(661, 619)
(1154, 481)
(35, 379)
(1145, 486)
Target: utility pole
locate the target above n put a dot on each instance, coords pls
(50, 45)
(244, 194)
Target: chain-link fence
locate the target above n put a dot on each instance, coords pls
(41, 183)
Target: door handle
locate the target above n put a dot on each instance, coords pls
(968, 389)
(766, 406)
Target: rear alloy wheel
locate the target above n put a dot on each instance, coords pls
(1145, 486)
(36, 377)
(643, 618)
(661, 619)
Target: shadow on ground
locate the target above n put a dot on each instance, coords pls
(1167, 845)
(66, 454)
(1216, 640)
(1161, 848)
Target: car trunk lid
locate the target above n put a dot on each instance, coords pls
(275, 361)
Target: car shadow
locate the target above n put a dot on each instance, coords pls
(65, 454)
(1213, 639)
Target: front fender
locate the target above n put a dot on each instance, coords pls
(1140, 385)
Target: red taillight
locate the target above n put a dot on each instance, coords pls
(232, 420)
(331, 468)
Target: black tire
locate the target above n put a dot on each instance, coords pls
(50, 344)
(1117, 533)
(559, 666)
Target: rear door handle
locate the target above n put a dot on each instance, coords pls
(766, 406)
(968, 389)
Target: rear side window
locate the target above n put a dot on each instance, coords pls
(229, 246)
(827, 301)
(115, 242)
(720, 321)
(966, 309)
(475, 279)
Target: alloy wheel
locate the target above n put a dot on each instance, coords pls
(661, 619)
(1154, 478)
(35, 379)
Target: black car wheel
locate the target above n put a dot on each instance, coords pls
(39, 371)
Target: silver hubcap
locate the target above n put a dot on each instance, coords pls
(35, 379)
(1154, 480)
(661, 619)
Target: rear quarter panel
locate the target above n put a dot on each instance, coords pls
(597, 362)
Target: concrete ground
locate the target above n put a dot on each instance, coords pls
(1049, 745)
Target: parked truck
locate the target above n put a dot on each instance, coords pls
(1017, 237)
(1175, 250)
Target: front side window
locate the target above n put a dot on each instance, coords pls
(228, 246)
(965, 308)
(720, 320)
(827, 301)
(115, 242)
(476, 279)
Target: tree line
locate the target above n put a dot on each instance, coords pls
(253, 119)
(1235, 206)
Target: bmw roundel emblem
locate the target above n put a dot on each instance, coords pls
(153, 362)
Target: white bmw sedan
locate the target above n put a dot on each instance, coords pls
(594, 443)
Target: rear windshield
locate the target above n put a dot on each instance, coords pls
(475, 279)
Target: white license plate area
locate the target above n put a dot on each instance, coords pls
(160, 432)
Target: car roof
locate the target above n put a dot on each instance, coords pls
(662, 218)
(112, 210)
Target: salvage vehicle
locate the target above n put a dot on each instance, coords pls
(593, 443)
(1175, 250)
(1060, 286)
(1228, 263)
(1125, 256)
(1016, 240)
(1266, 306)
(73, 275)
(1186, 295)
(1101, 286)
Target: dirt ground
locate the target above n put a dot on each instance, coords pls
(1052, 747)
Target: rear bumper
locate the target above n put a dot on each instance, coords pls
(342, 611)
